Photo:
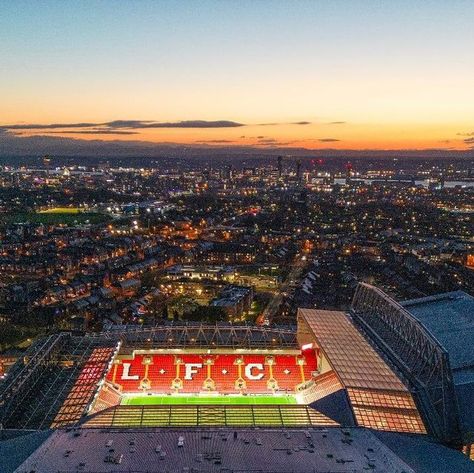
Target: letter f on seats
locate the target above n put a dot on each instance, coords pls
(190, 369)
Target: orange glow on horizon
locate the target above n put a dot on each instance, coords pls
(316, 135)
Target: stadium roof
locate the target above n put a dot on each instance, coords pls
(192, 335)
(376, 395)
(423, 454)
(15, 449)
(241, 450)
(357, 364)
(450, 319)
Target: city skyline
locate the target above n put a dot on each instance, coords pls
(318, 75)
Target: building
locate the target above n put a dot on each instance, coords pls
(234, 300)
(211, 273)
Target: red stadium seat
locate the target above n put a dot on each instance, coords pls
(84, 388)
(108, 397)
(223, 373)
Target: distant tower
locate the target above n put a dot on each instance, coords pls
(47, 163)
(348, 172)
(298, 170)
(280, 166)
(228, 174)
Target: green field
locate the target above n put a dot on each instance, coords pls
(206, 400)
(61, 210)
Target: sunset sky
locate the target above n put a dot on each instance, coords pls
(317, 74)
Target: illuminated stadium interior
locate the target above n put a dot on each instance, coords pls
(248, 399)
(323, 373)
(200, 377)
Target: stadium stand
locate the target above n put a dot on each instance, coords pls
(58, 376)
(378, 398)
(107, 397)
(222, 372)
(84, 388)
(321, 387)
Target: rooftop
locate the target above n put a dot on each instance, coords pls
(241, 450)
(377, 396)
(450, 319)
(357, 364)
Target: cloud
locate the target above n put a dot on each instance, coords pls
(267, 140)
(94, 132)
(125, 124)
(50, 126)
(215, 141)
(303, 122)
(328, 140)
(337, 123)
(194, 124)
(127, 127)
(468, 137)
(264, 141)
(128, 123)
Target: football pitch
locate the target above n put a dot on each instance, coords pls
(206, 400)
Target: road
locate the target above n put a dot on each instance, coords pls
(297, 266)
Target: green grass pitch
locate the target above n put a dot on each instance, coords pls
(206, 400)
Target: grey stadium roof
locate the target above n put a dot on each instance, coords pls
(332, 450)
(449, 317)
(17, 446)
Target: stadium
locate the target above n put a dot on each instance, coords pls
(335, 393)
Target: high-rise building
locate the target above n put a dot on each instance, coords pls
(298, 170)
(280, 166)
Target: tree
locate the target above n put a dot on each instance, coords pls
(205, 313)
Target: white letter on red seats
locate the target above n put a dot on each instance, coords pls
(190, 369)
(126, 372)
(248, 371)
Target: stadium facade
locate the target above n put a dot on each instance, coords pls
(430, 342)
(375, 388)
